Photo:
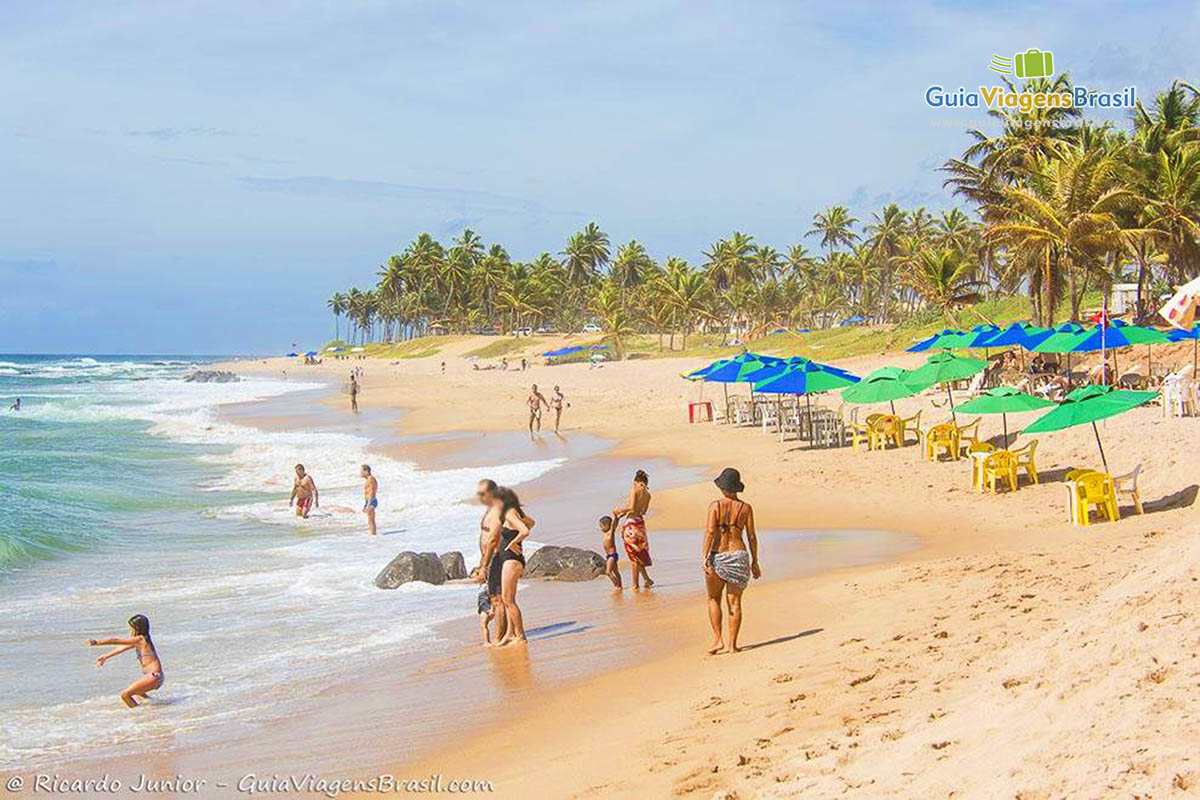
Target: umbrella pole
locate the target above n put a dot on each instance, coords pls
(1195, 344)
(1115, 373)
(1103, 460)
(1149, 365)
(892, 403)
(950, 397)
(1004, 418)
(808, 404)
(1070, 384)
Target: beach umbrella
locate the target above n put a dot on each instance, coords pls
(807, 378)
(937, 341)
(1182, 334)
(945, 367)
(1102, 338)
(310, 353)
(1020, 334)
(1086, 405)
(977, 337)
(884, 385)
(733, 370)
(293, 355)
(1004, 400)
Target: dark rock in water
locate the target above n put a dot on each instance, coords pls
(410, 566)
(564, 564)
(211, 376)
(455, 566)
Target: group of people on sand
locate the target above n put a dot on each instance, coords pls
(537, 401)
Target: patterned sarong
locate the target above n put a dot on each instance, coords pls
(733, 567)
(639, 549)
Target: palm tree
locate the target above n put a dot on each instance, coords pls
(337, 304)
(945, 279)
(835, 226)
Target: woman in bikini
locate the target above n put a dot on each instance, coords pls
(139, 641)
(557, 401)
(509, 561)
(728, 565)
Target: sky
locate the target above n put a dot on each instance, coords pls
(199, 177)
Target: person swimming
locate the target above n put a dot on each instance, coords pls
(609, 529)
(139, 641)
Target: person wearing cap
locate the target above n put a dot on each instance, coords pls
(728, 562)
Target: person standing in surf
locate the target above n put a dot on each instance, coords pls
(536, 401)
(353, 393)
(370, 496)
(728, 564)
(304, 493)
(139, 641)
(508, 563)
(489, 605)
(633, 533)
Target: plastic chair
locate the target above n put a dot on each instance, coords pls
(1000, 465)
(968, 432)
(1025, 460)
(1128, 484)
(977, 462)
(887, 428)
(942, 437)
(1072, 493)
(1095, 489)
(912, 423)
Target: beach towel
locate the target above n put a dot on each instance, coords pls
(633, 532)
(733, 567)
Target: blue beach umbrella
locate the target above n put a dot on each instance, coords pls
(938, 340)
(1182, 335)
(1020, 334)
(807, 378)
(310, 353)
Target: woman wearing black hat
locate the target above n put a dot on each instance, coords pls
(728, 563)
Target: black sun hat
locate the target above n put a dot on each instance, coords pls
(730, 480)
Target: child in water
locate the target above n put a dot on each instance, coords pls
(139, 641)
(609, 529)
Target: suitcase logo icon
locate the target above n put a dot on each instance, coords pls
(1033, 63)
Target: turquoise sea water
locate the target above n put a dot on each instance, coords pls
(124, 489)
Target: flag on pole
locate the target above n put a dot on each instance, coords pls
(1180, 310)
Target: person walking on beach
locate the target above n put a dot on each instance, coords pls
(304, 493)
(509, 561)
(139, 641)
(489, 603)
(353, 393)
(536, 402)
(728, 565)
(557, 401)
(633, 533)
(370, 496)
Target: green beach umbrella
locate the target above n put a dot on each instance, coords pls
(1004, 400)
(807, 378)
(1086, 405)
(945, 367)
(884, 385)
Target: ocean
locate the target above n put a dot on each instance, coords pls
(125, 489)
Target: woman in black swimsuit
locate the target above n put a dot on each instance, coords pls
(509, 561)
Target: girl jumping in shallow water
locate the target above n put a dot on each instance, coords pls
(139, 641)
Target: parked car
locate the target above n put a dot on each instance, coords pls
(524, 331)
(591, 328)
(545, 329)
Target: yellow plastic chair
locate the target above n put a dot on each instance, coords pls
(999, 466)
(1025, 460)
(1095, 489)
(1069, 480)
(913, 424)
(859, 433)
(942, 437)
(968, 433)
(977, 463)
(886, 428)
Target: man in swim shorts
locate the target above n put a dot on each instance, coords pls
(489, 534)
(304, 493)
(370, 496)
(536, 402)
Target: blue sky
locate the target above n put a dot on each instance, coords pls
(199, 176)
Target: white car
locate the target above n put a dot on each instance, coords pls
(591, 328)
(524, 331)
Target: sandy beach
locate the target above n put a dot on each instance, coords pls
(1009, 654)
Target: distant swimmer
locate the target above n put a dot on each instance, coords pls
(370, 496)
(15, 406)
(536, 401)
(139, 641)
(557, 401)
(633, 533)
(353, 393)
(304, 493)
(728, 564)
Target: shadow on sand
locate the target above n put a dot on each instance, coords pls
(782, 639)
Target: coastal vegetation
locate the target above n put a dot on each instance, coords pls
(1051, 207)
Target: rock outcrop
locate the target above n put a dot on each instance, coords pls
(564, 564)
(454, 564)
(410, 566)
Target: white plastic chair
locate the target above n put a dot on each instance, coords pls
(1127, 484)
